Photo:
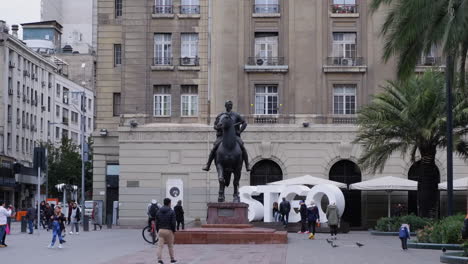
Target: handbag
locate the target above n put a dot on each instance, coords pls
(318, 223)
(7, 229)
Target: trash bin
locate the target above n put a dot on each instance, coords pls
(86, 223)
(24, 224)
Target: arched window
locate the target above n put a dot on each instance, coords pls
(265, 171)
(348, 172)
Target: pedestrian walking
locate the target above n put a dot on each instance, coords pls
(179, 214)
(48, 213)
(31, 216)
(333, 220)
(303, 212)
(166, 227)
(70, 206)
(96, 216)
(313, 218)
(58, 219)
(42, 207)
(285, 208)
(5, 211)
(75, 215)
(404, 235)
(276, 212)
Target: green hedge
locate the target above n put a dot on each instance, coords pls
(445, 231)
(392, 224)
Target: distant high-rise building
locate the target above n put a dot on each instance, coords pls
(78, 21)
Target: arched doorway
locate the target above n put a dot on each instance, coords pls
(348, 172)
(413, 174)
(263, 172)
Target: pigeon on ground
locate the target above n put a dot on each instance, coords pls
(444, 249)
(329, 241)
(359, 244)
(333, 245)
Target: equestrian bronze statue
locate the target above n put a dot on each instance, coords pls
(228, 151)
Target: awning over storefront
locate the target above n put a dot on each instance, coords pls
(458, 185)
(309, 180)
(388, 184)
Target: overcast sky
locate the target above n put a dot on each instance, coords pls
(20, 11)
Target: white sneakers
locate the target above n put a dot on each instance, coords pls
(71, 232)
(77, 233)
(51, 246)
(60, 246)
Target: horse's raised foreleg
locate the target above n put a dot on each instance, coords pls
(237, 175)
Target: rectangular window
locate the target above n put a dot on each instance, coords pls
(74, 137)
(90, 125)
(163, 7)
(65, 116)
(74, 117)
(190, 7)
(189, 100)
(344, 99)
(17, 143)
(57, 111)
(27, 146)
(118, 8)
(266, 100)
(344, 45)
(117, 54)
(48, 104)
(9, 140)
(57, 91)
(266, 48)
(266, 6)
(163, 49)
(116, 101)
(57, 132)
(189, 48)
(65, 133)
(162, 100)
(89, 104)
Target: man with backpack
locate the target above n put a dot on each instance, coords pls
(285, 208)
(152, 210)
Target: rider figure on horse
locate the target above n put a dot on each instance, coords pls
(240, 127)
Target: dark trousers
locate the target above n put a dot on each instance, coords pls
(312, 227)
(333, 230)
(404, 243)
(30, 225)
(285, 218)
(179, 222)
(303, 225)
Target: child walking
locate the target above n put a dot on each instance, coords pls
(57, 220)
(404, 235)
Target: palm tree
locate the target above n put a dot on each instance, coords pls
(409, 117)
(412, 28)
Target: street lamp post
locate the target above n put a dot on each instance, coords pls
(449, 83)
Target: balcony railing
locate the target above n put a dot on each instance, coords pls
(186, 61)
(270, 119)
(190, 9)
(335, 119)
(342, 61)
(163, 9)
(266, 9)
(65, 120)
(429, 61)
(162, 61)
(265, 61)
(344, 9)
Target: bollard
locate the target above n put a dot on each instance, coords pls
(24, 224)
(86, 223)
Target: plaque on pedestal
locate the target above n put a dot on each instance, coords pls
(227, 213)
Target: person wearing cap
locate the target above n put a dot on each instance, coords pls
(303, 211)
(152, 210)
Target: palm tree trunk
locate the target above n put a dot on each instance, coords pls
(464, 51)
(428, 179)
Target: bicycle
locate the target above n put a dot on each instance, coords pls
(149, 233)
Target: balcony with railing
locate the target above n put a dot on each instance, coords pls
(429, 62)
(344, 10)
(189, 11)
(162, 64)
(343, 64)
(189, 64)
(266, 64)
(271, 119)
(65, 121)
(266, 10)
(163, 11)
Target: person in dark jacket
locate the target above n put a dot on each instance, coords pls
(31, 216)
(313, 217)
(179, 215)
(285, 208)
(166, 227)
(303, 211)
(43, 220)
(75, 216)
(404, 235)
(48, 212)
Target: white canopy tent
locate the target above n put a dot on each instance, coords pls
(458, 185)
(388, 184)
(309, 180)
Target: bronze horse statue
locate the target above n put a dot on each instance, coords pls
(228, 158)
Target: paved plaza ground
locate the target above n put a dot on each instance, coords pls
(119, 246)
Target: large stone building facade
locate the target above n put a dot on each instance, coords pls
(297, 70)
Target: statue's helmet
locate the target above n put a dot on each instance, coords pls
(228, 102)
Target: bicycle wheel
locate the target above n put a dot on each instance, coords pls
(147, 236)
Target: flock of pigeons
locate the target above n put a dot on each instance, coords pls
(333, 245)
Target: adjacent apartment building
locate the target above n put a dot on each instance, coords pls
(297, 70)
(37, 104)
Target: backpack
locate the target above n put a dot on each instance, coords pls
(153, 210)
(403, 232)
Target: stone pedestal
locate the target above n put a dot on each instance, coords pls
(227, 213)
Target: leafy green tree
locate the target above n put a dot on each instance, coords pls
(409, 117)
(412, 28)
